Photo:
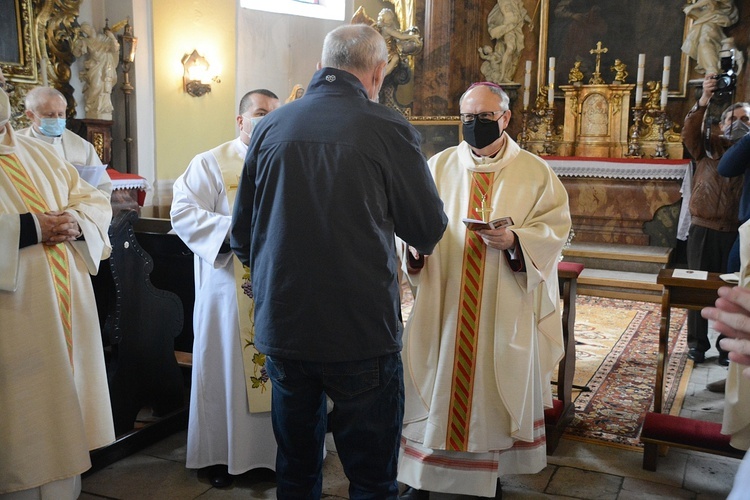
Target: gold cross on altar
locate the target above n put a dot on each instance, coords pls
(596, 78)
(484, 210)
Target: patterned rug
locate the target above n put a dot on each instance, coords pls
(616, 353)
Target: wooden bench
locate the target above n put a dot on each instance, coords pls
(557, 418)
(660, 429)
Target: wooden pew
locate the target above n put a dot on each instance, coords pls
(557, 418)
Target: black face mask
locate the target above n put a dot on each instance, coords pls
(480, 135)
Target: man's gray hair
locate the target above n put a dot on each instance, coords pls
(355, 47)
(495, 89)
(730, 109)
(39, 95)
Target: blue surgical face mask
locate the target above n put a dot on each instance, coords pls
(255, 120)
(52, 127)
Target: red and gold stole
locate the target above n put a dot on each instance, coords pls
(467, 327)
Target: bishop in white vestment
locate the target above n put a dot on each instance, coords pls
(485, 333)
(221, 429)
(54, 399)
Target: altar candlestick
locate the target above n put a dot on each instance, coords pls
(526, 85)
(664, 93)
(551, 89)
(639, 80)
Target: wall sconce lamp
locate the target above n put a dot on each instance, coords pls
(196, 70)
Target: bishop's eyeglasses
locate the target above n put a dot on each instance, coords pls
(484, 117)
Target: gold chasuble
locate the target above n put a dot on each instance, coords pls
(483, 339)
(256, 382)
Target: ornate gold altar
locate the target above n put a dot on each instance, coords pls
(598, 122)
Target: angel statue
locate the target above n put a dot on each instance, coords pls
(575, 75)
(653, 101)
(620, 70)
(401, 45)
(101, 51)
(505, 25)
(703, 41)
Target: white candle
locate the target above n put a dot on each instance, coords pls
(665, 75)
(664, 92)
(526, 85)
(551, 90)
(639, 79)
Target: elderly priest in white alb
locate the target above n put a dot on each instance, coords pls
(485, 332)
(54, 400)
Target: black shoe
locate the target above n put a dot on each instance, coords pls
(414, 494)
(696, 355)
(723, 358)
(219, 476)
(717, 386)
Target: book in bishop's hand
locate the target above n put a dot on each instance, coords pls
(476, 224)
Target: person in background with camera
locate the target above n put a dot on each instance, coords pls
(714, 202)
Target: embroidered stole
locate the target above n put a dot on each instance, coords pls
(57, 255)
(467, 327)
(256, 381)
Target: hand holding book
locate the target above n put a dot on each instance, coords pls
(476, 224)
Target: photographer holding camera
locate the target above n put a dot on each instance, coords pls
(714, 204)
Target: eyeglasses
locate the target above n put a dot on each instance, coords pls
(484, 117)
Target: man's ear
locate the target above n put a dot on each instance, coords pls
(29, 114)
(318, 66)
(378, 75)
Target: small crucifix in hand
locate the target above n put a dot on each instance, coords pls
(484, 211)
(596, 78)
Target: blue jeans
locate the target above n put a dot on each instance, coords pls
(368, 398)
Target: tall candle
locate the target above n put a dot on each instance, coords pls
(551, 89)
(639, 80)
(665, 74)
(665, 81)
(526, 85)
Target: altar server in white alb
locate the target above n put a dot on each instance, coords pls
(222, 433)
(54, 400)
(485, 332)
(46, 108)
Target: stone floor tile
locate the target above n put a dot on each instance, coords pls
(584, 484)
(528, 482)
(712, 474)
(172, 447)
(142, 477)
(640, 489)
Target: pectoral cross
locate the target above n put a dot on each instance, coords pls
(484, 210)
(596, 78)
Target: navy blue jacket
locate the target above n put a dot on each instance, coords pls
(328, 179)
(736, 161)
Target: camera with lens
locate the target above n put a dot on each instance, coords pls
(727, 80)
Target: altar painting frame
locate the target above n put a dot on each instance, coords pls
(437, 132)
(18, 55)
(623, 28)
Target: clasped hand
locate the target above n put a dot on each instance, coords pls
(58, 227)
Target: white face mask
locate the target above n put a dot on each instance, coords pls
(4, 108)
(737, 131)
